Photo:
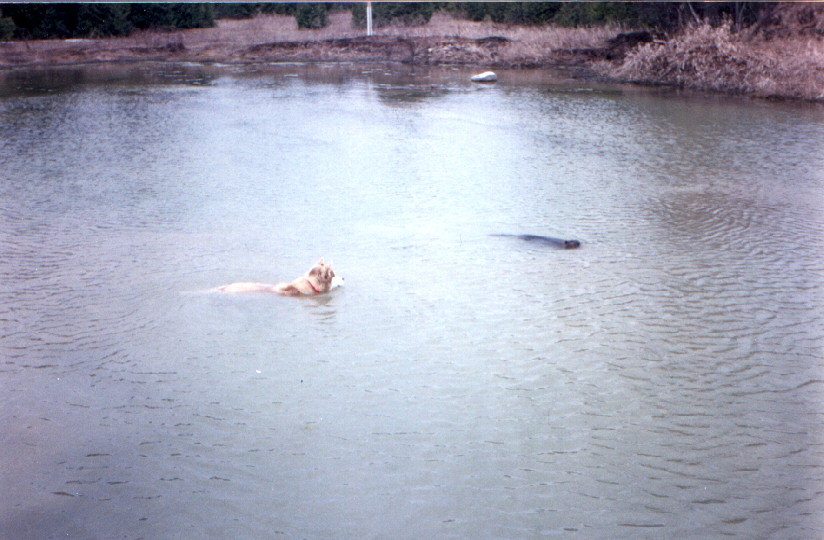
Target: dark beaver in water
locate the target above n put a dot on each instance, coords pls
(545, 240)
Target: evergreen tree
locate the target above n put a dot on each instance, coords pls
(311, 15)
(42, 21)
(386, 13)
(192, 15)
(103, 20)
(7, 27)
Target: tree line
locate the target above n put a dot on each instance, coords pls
(44, 21)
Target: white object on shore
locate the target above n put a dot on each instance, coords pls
(486, 76)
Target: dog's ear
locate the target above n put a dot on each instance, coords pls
(320, 262)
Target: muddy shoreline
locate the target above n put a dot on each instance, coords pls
(425, 51)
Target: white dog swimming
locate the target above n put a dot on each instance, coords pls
(318, 280)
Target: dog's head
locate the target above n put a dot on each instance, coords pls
(322, 272)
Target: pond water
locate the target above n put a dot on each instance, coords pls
(662, 381)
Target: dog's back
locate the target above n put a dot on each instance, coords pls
(247, 286)
(318, 280)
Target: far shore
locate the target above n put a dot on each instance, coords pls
(606, 53)
(275, 38)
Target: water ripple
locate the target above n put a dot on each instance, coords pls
(664, 379)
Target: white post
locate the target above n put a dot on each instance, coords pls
(369, 18)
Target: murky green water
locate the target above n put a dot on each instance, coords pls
(663, 381)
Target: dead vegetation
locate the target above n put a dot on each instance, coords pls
(780, 58)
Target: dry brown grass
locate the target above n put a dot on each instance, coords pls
(717, 59)
(271, 28)
(547, 37)
(527, 45)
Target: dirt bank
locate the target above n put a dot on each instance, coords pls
(745, 64)
(486, 51)
(276, 39)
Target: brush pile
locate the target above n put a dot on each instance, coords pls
(781, 56)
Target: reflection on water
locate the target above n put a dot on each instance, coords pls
(662, 381)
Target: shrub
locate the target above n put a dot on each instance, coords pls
(103, 20)
(7, 28)
(394, 13)
(169, 16)
(151, 16)
(42, 21)
(311, 15)
(193, 15)
(247, 10)
(595, 13)
(526, 13)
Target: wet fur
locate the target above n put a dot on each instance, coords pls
(558, 243)
(318, 280)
